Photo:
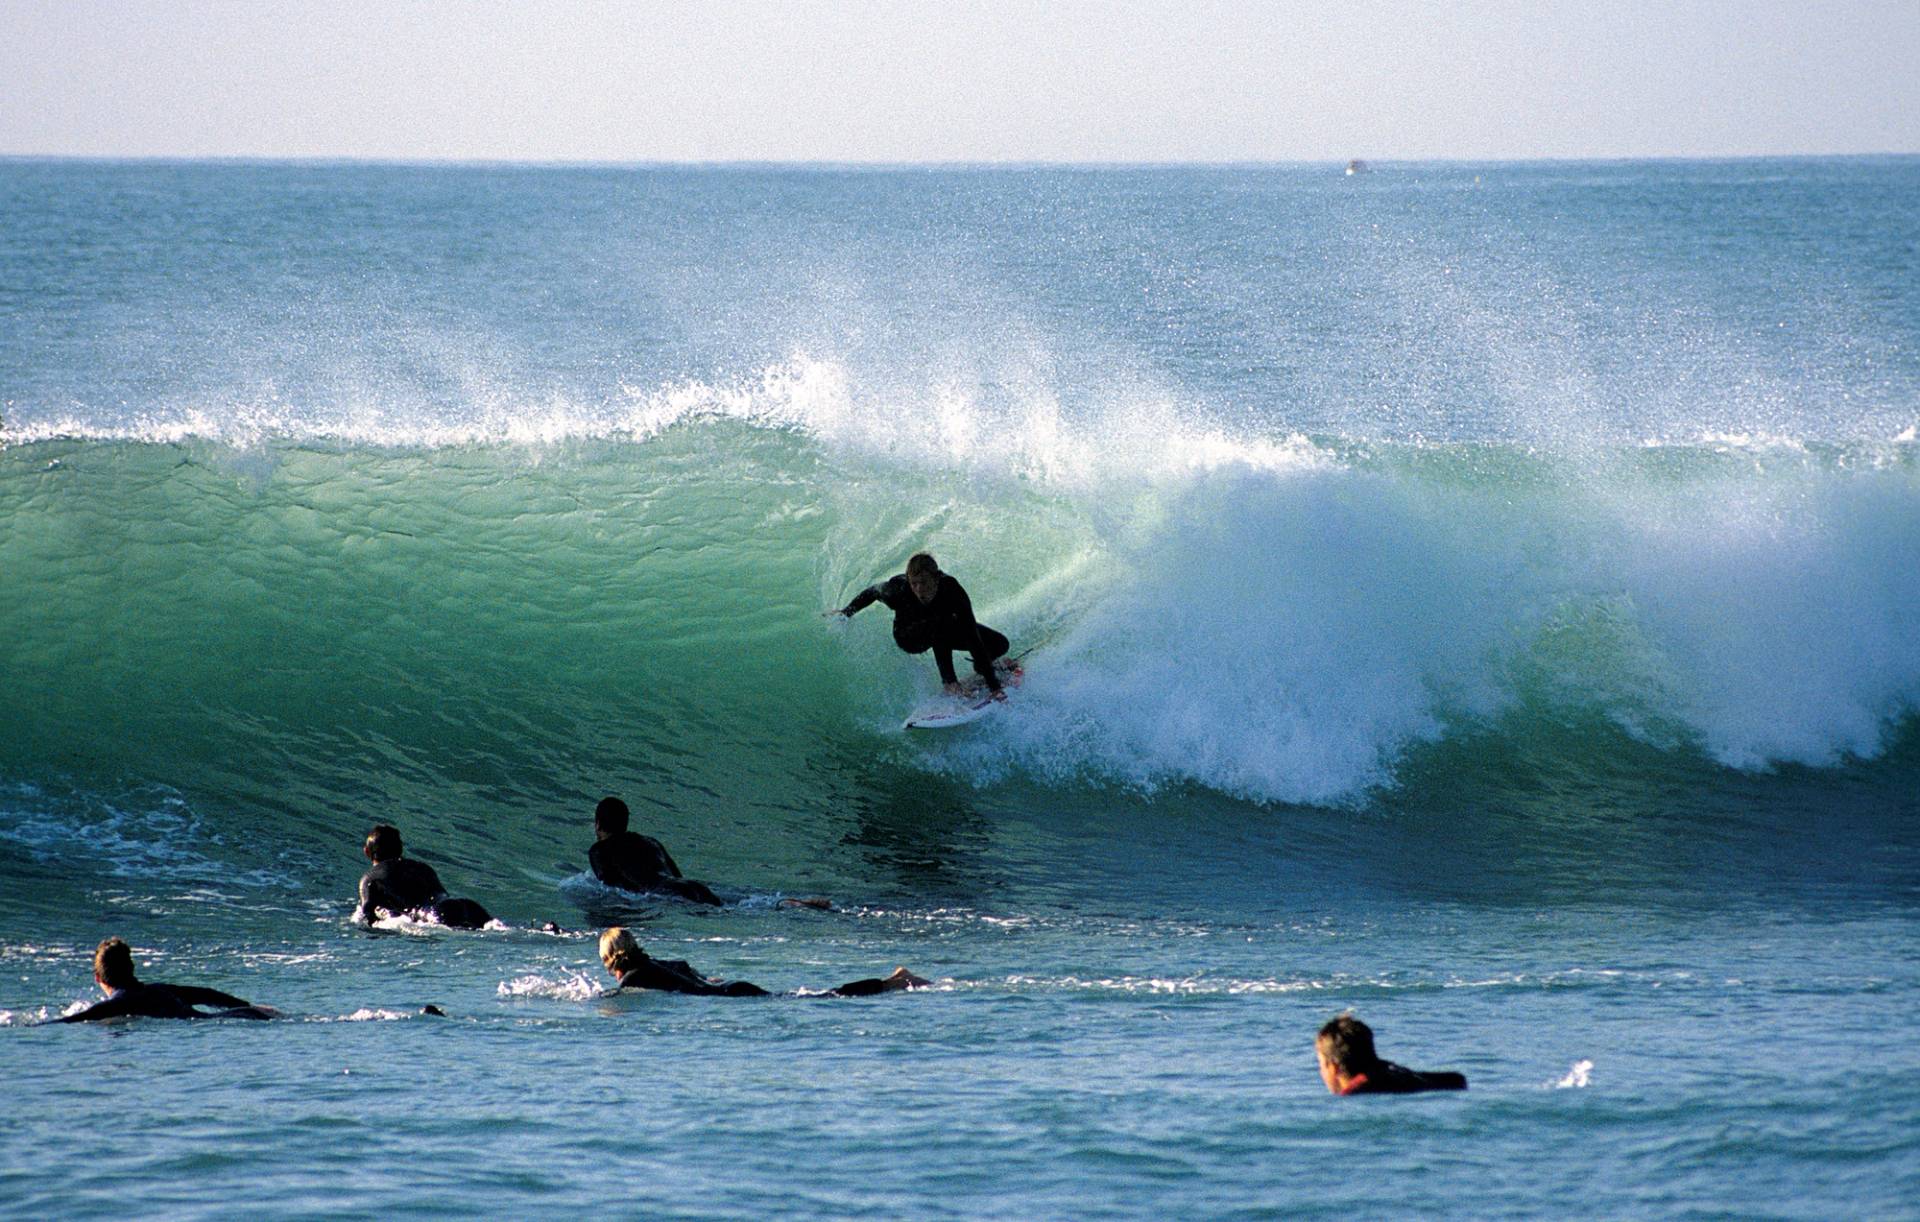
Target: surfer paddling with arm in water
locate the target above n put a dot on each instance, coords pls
(635, 969)
(130, 997)
(931, 610)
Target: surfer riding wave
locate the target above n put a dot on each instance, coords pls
(931, 610)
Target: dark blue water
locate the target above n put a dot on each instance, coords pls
(1482, 597)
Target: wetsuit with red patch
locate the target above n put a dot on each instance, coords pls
(1386, 1078)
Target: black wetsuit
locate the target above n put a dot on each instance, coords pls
(1386, 1078)
(678, 976)
(943, 624)
(158, 1000)
(633, 862)
(403, 886)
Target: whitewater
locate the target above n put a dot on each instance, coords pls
(1484, 597)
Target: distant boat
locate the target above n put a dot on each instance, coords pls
(1356, 166)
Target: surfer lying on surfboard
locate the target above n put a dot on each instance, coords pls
(130, 997)
(406, 886)
(931, 610)
(632, 862)
(635, 969)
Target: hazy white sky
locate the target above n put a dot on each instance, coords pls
(966, 80)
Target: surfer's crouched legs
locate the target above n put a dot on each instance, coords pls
(920, 637)
(993, 647)
(916, 637)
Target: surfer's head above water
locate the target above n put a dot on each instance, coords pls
(383, 843)
(619, 952)
(610, 817)
(1345, 1046)
(113, 964)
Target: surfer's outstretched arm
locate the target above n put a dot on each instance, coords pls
(365, 910)
(943, 658)
(861, 601)
(198, 995)
(112, 1007)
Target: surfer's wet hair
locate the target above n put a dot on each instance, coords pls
(922, 564)
(619, 951)
(383, 842)
(611, 815)
(113, 963)
(1348, 1043)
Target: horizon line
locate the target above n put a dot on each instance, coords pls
(751, 163)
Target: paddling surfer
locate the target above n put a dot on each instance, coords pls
(1350, 1066)
(130, 997)
(402, 886)
(635, 969)
(633, 862)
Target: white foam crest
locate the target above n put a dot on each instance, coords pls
(938, 425)
(575, 986)
(368, 1015)
(148, 833)
(1785, 614)
(249, 426)
(777, 395)
(1172, 986)
(1287, 632)
(1578, 1076)
(1724, 442)
(27, 1018)
(1279, 636)
(588, 892)
(426, 926)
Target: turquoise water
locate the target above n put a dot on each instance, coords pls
(1483, 597)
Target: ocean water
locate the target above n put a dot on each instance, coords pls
(1482, 597)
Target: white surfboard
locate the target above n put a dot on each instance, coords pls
(974, 702)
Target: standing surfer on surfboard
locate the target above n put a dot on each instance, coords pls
(932, 611)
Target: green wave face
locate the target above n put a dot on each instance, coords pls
(357, 629)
